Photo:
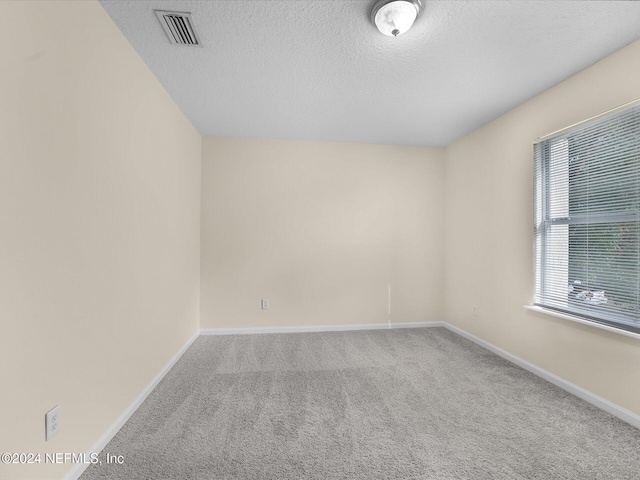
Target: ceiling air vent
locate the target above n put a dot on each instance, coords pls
(179, 27)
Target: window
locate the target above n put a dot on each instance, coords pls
(587, 219)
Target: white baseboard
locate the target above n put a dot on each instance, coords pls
(318, 328)
(603, 404)
(102, 442)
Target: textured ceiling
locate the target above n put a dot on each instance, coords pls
(319, 70)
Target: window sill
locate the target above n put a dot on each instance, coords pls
(577, 319)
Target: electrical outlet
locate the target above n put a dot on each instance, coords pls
(475, 310)
(265, 304)
(52, 422)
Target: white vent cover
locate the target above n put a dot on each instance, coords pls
(179, 27)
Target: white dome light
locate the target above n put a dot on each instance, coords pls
(393, 17)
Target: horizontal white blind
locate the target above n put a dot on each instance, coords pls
(587, 220)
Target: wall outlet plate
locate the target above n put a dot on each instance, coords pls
(265, 304)
(52, 422)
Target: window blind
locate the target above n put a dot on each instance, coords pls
(587, 220)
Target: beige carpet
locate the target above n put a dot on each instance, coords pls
(383, 404)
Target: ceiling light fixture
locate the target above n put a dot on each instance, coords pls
(393, 17)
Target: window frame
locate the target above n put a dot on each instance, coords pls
(544, 220)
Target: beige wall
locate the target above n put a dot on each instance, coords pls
(489, 233)
(99, 227)
(321, 230)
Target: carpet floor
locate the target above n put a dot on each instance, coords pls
(382, 404)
